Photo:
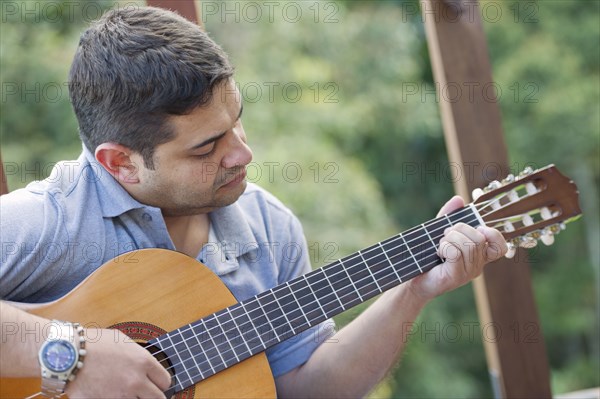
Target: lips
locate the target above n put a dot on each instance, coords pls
(237, 178)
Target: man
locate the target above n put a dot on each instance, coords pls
(163, 165)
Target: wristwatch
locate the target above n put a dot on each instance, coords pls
(59, 358)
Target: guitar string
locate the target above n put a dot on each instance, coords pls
(313, 322)
(342, 306)
(393, 239)
(224, 363)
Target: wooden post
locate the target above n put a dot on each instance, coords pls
(185, 8)
(512, 335)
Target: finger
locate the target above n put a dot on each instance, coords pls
(453, 203)
(470, 243)
(497, 246)
(159, 376)
(449, 252)
(469, 232)
(152, 392)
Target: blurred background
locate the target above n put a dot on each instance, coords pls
(342, 114)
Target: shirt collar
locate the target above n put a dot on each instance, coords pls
(231, 227)
(114, 199)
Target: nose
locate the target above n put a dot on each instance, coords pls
(239, 153)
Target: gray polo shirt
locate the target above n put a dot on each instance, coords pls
(55, 232)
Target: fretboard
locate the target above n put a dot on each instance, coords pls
(223, 339)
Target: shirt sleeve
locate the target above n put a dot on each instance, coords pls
(32, 239)
(296, 350)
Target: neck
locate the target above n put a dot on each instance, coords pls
(231, 335)
(188, 233)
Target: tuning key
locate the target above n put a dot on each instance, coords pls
(492, 186)
(527, 171)
(508, 179)
(547, 236)
(527, 220)
(545, 213)
(477, 193)
(512, 249)
(528, 242)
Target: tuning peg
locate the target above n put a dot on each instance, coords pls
(531, 188)
(513, 196)
(545, 213)
(528, 242)
(492, 186)
(557, 228)
(527, 220)
(527, 171)
(511, 250)
(477, 193)
(508, 226)
(547, 237)
(508, 179)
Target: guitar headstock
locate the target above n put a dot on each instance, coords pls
(535, 205)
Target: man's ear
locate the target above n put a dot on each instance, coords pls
(117, 160)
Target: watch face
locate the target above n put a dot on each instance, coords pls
(59, 356)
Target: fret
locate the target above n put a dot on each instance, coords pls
(274, 314)
(288, 305)
(249, 332)
(226, 339)
(306, 299)
(334, 290)
(258, 319)
(411, 254)
(448, 219)
(390, 262)
(323, 291)
(216, 367)
(429, 236)
(296, 302)
(239, 335)
(187, 334)
(199, 354)
(342, 285)
(178, 351)
(316, 299)
(377, 261)
(361, 276)
(459, 216)
(291, 330)
(480, 221)
(352, 282)
(422, 249)
(370, 272)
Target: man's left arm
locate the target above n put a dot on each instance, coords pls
(367, 348)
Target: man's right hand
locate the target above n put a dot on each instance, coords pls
(117, 367)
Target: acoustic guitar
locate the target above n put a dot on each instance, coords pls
(214, 346)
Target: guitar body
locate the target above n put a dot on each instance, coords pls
(144, 294)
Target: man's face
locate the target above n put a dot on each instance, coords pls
(204, 167)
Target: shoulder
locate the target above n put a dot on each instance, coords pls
(257, 197)
(260, 207)
(40, 203)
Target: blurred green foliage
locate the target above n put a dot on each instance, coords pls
(340, 138)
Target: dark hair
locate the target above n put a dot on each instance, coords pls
(136, 66)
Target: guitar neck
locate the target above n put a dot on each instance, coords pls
(225, 338)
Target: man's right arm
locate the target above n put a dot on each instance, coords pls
(114, 365)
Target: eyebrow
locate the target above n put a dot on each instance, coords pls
(218, 136)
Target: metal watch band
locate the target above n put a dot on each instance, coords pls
(52, 386)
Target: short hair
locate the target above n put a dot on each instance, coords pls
(135, 67)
